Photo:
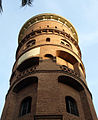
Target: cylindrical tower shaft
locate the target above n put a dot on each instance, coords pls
(48, 77)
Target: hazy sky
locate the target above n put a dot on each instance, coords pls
(83, 14)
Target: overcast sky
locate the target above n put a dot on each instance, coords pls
(83, 14)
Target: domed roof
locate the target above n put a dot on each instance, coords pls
(47, 16)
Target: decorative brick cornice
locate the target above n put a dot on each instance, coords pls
(48, 31)
(30, 71)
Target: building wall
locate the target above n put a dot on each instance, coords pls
(48, 68)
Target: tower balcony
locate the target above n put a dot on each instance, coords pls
(32, 66)
(39, 22)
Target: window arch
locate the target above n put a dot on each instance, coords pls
(71, 106)
(30, 43)
(49, 56)
(25, 106)
(30, 62)
(25, 83)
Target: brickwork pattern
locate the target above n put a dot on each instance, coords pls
(58, 68)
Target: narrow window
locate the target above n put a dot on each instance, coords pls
(33, 42)
(71, 106)
(55, 26)
(67, 45)
(25, 106)
(62, 42)
(47, 39)
(30, 43)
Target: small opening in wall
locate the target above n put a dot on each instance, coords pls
(33, 33)
(47, 39)
(62, 42)
(55, 26)
(39, 31)
(49, 56)
(30, 43)
(68, 45)
(45, 30)
(47, 25)
(50, 30)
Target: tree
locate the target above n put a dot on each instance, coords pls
(24, 2)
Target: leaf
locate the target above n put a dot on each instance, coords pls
(26, 2)
(1, 9)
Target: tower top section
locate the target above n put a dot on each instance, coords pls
(50, 17)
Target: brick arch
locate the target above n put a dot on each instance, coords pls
(49, 56)
(66, 56)
(28, 63)
(70, 82)
(24, 83)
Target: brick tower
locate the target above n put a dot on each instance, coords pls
(48, 77)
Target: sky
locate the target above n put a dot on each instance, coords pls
(83, 14)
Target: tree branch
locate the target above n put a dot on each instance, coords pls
(26, 2)
(1, 9)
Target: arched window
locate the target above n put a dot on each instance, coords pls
(25, 106)
(71, 106)
(49, 56)
(65, 42)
